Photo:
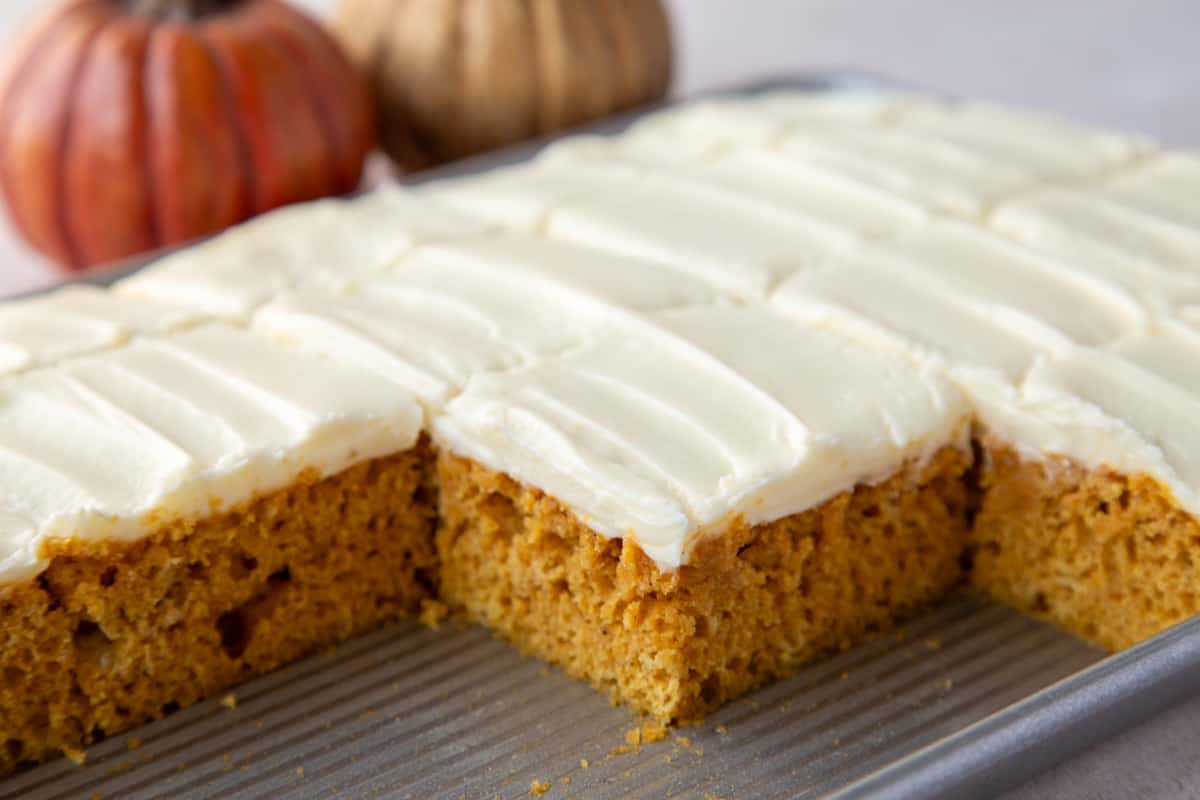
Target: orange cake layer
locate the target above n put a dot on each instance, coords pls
(752, 604)
(1108, 556)
(115, 633)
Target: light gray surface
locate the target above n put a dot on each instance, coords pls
(1158, 759)
(1126, 64)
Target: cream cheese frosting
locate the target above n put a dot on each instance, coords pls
(325, 242)
(936, 172)
(1045, 143)
(447, 312)
(987, 312)
(197, 422)
(962, 158)
(520, 196)
(833, 197)
(1130, 407)
(703, 126)
(43, 330)
(1123, 239)
(741, 242)
(1166, 185)
(677, 423)
(738, 307)
(1019, 289)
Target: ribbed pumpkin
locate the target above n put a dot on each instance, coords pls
(456, 77)
(127, 125)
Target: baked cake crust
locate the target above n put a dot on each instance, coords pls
(115, 633)
(751, 605)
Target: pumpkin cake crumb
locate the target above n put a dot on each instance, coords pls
(653, 730)
(433, 613)
(1108, 556)
(754, 603)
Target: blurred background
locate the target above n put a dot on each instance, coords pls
(1121, 63)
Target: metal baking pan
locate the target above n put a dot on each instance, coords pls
(966, 700)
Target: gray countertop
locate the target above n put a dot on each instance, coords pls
(1120, 63)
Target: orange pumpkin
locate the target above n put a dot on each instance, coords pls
(127, 125)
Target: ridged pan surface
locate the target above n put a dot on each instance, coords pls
(412, 712)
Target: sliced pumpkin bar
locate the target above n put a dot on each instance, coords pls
(700, 502)
(183, 513)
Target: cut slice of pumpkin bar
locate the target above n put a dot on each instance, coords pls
(187, 511)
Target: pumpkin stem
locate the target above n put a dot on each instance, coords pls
(181, 10)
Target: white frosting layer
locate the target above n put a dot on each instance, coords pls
(447, 312)
(666, 427)
(519, 197)
(701, 127)
(1166, 185)
(1131, 407)
(737, 307)
(741, 242)
(1044, 143)
(1152, 254)
(114, 445)
(833, 197)
(964, 296)
(827, 196)
(933, 171)
(326, 242)
(49, 328)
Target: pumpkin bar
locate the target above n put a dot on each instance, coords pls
(188, 511)
(676, 409)
(778, 514)
(1091, 479)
